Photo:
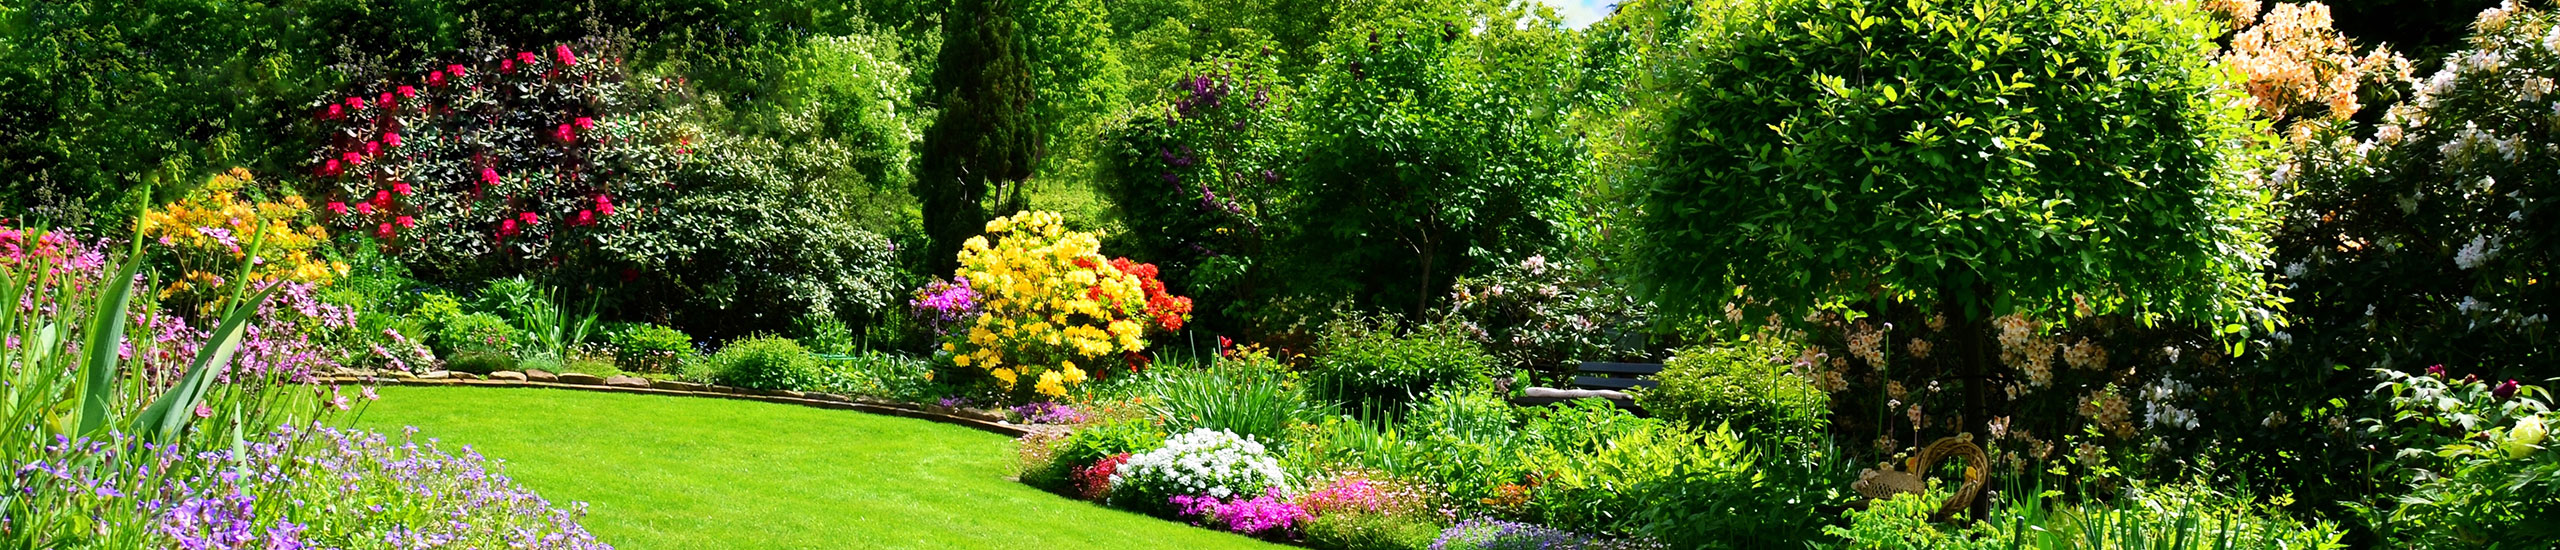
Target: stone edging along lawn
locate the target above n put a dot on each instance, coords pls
(980, 420)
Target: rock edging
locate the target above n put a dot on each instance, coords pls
(619, 384)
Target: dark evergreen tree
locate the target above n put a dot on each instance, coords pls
(985, 133)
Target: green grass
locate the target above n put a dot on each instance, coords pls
(688, 472)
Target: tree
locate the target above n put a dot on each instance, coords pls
(986, 132)
(1431, 147)
(1977, 157)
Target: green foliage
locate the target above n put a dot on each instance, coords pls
(2476, 464)
(1992, 155)
(650, 347)
(761, 362)
(1748, 385)
(1356, 530)
(481, 332)
(985, 132)
(1099, 441)
(877, 375)
(1380, 365)
(1431, 148)
(484, 362)
(1249, 395)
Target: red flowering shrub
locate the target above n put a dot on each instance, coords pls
(477, 164)
(1094, 482)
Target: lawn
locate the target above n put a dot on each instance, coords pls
(676, 472)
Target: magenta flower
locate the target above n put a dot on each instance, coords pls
(562, 52)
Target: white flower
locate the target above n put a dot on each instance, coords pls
(2478, 252)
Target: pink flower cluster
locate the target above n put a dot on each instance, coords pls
(1269, 514)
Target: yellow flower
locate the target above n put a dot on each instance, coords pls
(961, 360)
(1051, 384)
(1003, 375)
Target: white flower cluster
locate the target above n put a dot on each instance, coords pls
(2158, 411)
(1217, 463)
(2477, 252)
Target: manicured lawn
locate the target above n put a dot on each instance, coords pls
(686, 473)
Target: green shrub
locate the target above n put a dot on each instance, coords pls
(436, 308)
(1100, 441)
(476, 332)
(650, 348)
(1248, 394)
(762, 362)
(880, 375)
(480, 362)
(1743, 384)
(1370, 531)
(1370, 365)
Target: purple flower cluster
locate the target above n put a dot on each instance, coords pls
(1269, 514)
(944, 304)
(290, 489)
(1494, 534)
(1048, 412)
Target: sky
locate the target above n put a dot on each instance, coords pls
(1580, 13)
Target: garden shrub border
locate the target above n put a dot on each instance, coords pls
(986, 421)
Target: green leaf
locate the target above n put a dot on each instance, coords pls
(168, 417)
(106, 338)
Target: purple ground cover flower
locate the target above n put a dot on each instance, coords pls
(1047, 412)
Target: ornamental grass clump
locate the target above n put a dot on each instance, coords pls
(1215, 464)
(1050, 312)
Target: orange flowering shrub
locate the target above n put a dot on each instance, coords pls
(2298, 65)
(208, 234)
(1047, 307)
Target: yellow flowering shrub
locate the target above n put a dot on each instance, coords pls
(209, 233)
(1050, 311)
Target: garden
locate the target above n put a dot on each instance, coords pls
(1328, 274)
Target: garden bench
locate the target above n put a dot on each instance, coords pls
(1597, 379)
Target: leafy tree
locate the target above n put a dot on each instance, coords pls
(1431, 146)
(986, 133)
(1198, 182)
(1978, 157)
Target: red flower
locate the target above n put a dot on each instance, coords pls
(455, 70)
(401, 187)
(566, 133)
(506, 65)
(506, 228)
(488, 176)
(381, 198)
(383, 232)
(330, 169)
(386, 101)
(604, 205)
(335, 112)
(562, 52)
(337, 208)
(529, 218)
(436, 78)
(356, 103)
(353, 158)
(1225, 343)
(526, 57)
(372, 148)
(391, 139)
(406, 222)
(408, 91)
(585, 218)
(364, 209)
(586, 123)
(1085, 263)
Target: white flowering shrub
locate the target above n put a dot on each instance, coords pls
(2423, 238)
(1216, 463)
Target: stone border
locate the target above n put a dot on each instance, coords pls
(979, 420)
